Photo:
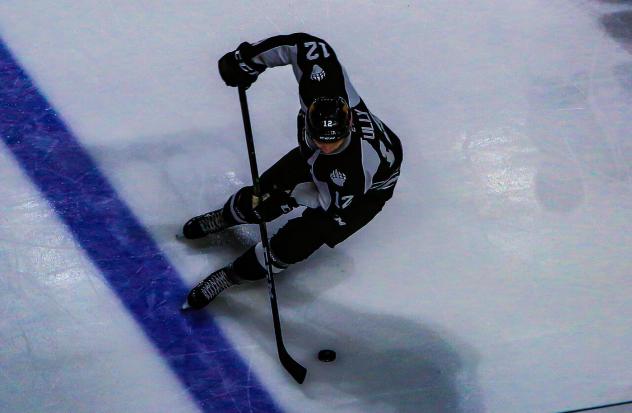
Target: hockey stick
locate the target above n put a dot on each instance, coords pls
(294, 368)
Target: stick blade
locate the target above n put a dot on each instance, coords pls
(297, 371)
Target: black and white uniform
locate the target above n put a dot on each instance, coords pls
(343, 191)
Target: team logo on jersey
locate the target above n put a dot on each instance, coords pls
(338, 177)
(318, 73)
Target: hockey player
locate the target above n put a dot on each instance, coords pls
(343, 170)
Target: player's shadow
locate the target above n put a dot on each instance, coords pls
(388, 362)
(618, 25)
(572, 140)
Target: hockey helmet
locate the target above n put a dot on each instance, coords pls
(328, 120)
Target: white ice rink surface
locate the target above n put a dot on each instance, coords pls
(498, 279)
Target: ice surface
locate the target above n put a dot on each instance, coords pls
(496, 280)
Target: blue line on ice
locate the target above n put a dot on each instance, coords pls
(149, 287)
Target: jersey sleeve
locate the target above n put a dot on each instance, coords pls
(274, 51)
(313, 60)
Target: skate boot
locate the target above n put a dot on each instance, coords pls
(210, 287)
(205, 224)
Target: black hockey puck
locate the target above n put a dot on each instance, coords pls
(326, 355)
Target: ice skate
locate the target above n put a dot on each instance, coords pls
(205, 224)
(209, 288)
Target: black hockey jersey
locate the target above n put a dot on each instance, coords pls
(367, 168)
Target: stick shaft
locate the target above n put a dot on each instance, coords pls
(294, 368)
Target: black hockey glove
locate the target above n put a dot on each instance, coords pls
(272, 205)
(235, 71)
